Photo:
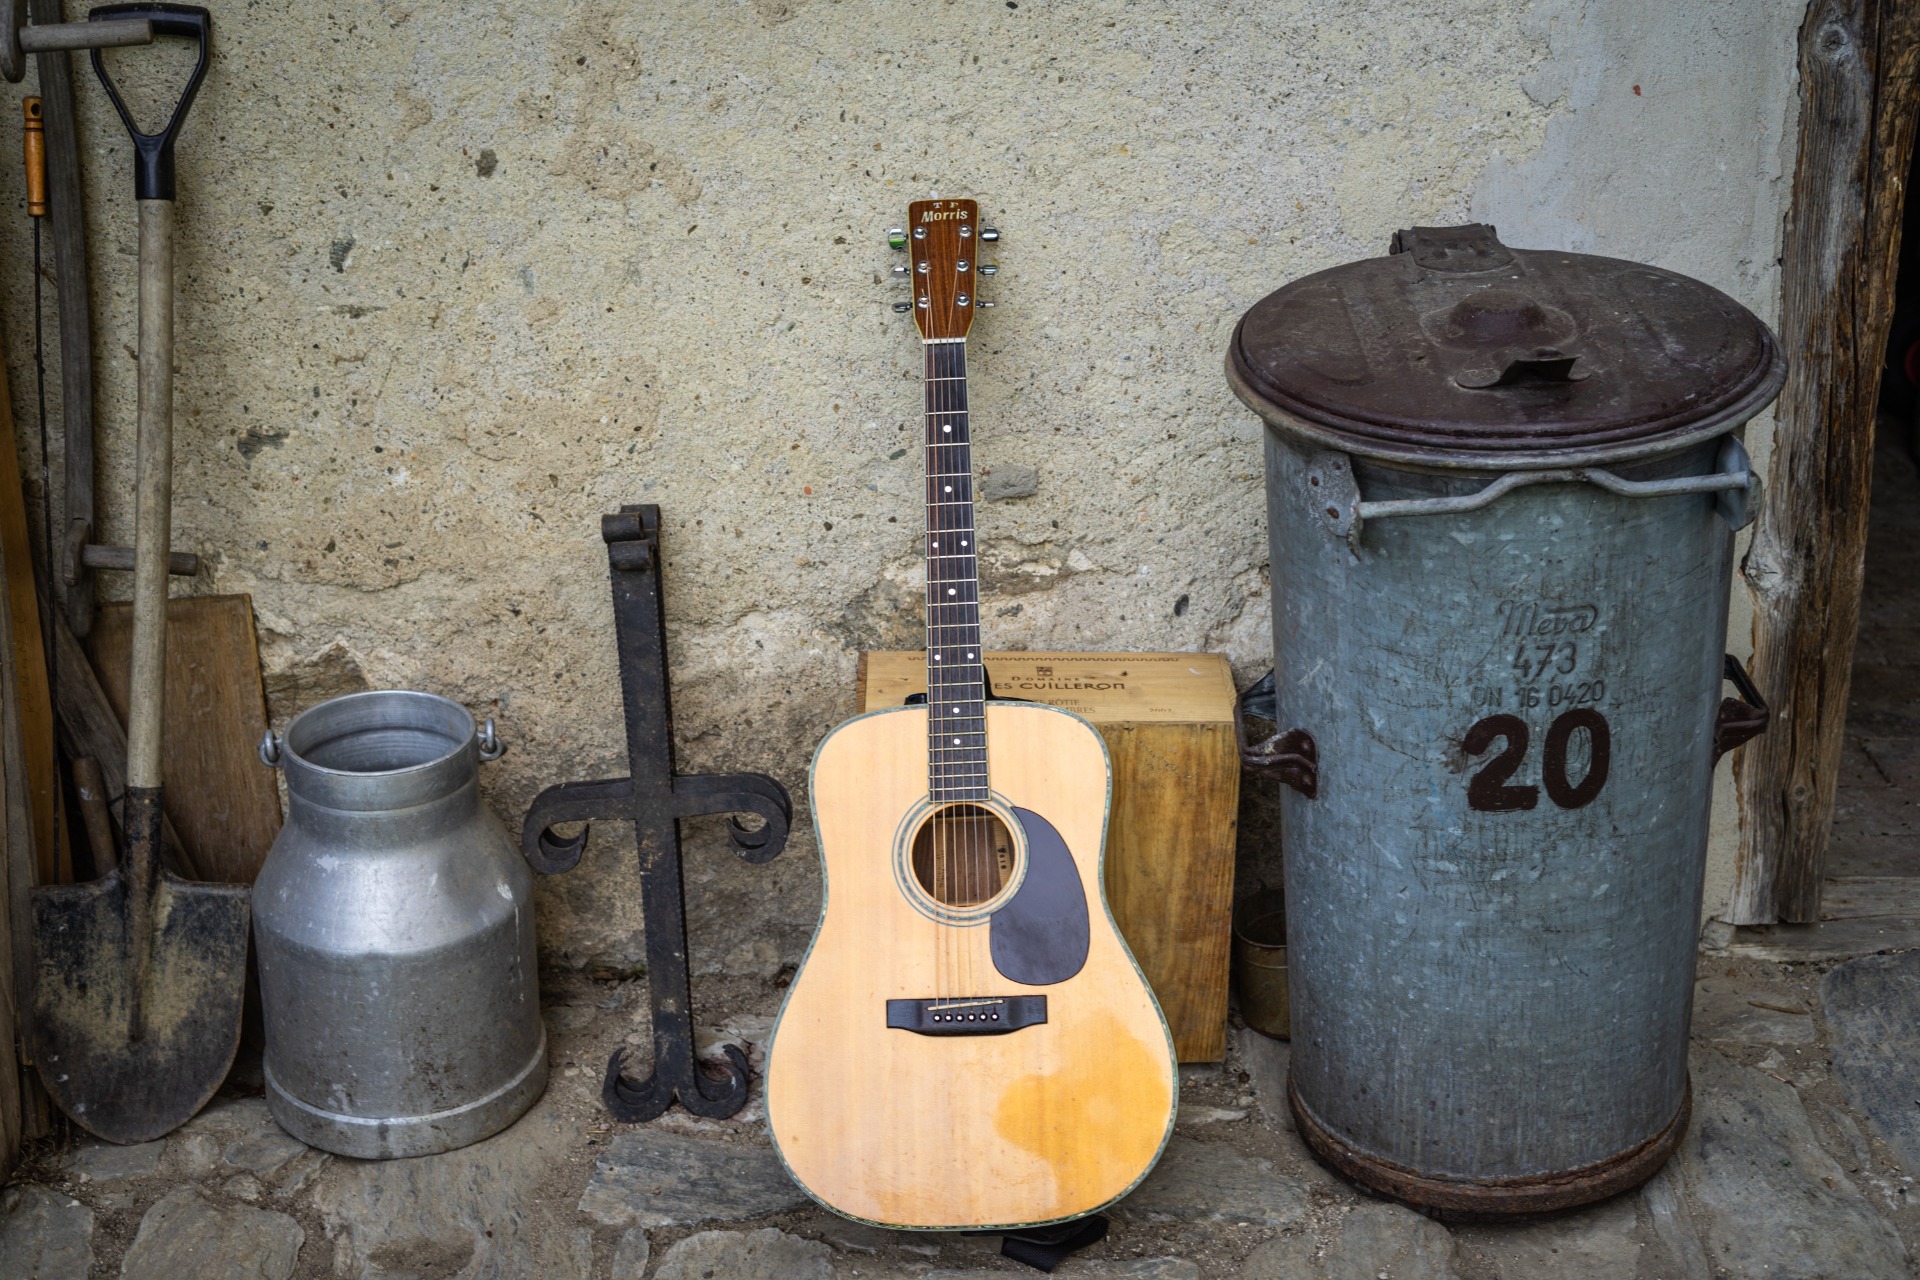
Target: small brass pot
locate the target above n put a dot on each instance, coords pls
(1260, 962)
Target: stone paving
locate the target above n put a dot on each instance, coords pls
(1806, 1118)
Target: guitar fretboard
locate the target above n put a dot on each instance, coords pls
(956, 693)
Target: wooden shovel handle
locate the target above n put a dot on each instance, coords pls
(153, 503)
(152, 538)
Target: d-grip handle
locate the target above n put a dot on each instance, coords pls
(153, 152)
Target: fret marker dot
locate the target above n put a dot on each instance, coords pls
(963, 542)
(949, 488)
(949, 590)
(948, 429)
(956, 742)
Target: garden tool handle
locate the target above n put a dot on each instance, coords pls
(152, 533)
(153, 152)
(153, 189)
(18, 38)
(153, 498)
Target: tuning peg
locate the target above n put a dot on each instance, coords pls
(989, 268)
(989, 234)
(986, 304)
(900, 269)
(903, 307)
(896, 238)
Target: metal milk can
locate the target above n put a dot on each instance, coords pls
(1502, 490)
(393, 923)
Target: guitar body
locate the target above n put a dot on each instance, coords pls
(946, 1127)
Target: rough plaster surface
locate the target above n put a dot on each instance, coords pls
(454, 281)
(1672, 141)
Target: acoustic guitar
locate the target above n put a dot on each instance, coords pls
(968, 1043)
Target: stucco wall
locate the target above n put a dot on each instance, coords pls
(1672, 141)
(455, 280)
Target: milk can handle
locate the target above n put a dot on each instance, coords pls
(1341, 507)
(1291, 756)
(491, 748)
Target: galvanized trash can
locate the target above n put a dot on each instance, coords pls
(1502, 488)
(393, 921)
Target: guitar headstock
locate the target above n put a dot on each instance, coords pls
(943, 240)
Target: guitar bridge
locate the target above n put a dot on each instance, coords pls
(967, 1015)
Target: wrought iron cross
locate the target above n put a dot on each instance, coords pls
(654, 799)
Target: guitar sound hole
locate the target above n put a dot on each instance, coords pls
(962, 855)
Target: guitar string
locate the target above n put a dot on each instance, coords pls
(948, 397)
(943, 841)
(938, 851)
(978, 824)
(950, 473)
(963, 481)
(941, 465)
(965, 845)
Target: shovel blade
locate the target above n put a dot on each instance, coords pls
(115, 1085)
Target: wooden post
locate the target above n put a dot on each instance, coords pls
(23, 1103)
(12, 1028)
(1840, 256)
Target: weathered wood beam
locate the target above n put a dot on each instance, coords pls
(1859, 97)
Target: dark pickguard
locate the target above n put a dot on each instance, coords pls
(1040, 936)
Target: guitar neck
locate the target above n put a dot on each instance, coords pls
(956, 689)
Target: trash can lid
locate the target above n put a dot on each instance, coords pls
(1455, 347)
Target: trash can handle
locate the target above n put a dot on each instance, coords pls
(1739, 719)
(1291, 756)
(1340, 506)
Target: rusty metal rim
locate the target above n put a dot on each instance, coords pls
(1435, 455)
(1494, 1197)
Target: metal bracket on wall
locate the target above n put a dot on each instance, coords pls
(654, 799)
(1739, 719)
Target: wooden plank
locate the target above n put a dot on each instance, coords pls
(1170, 846)
(69, 235)
(224, 803)
(1859, 94)
(16, 953)
(1863, 897)
(1828, 940)
(1168, 723)
(30, 1102)
(52, 863)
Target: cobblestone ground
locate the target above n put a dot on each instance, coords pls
(1805, 1124)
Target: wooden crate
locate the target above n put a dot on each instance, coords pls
(1168, 722)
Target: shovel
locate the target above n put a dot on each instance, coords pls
(139, 976)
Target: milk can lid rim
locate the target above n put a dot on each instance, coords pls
(344, 705)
